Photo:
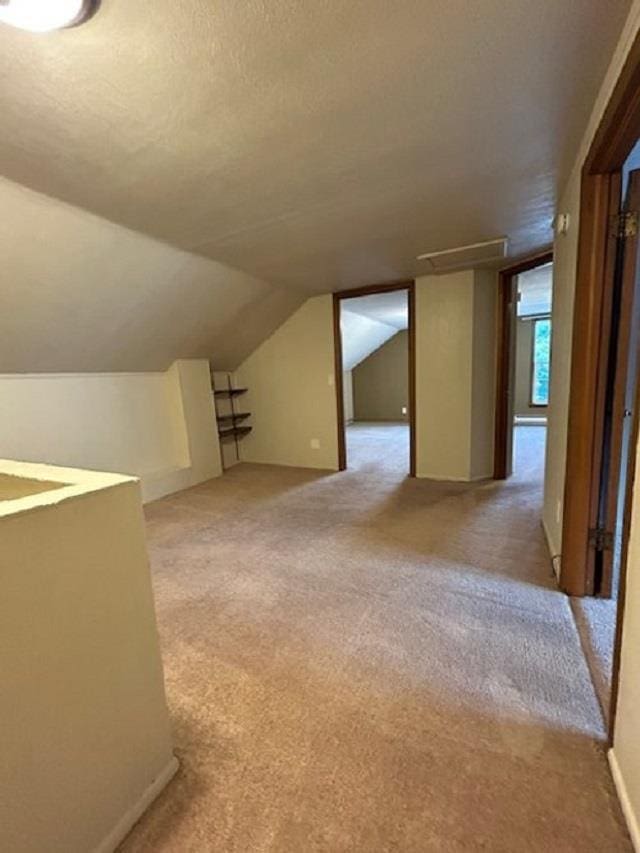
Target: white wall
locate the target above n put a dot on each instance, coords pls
(455, 375)
(85, 736)
(625, 757)
(292, 395)
(347, 391)
(157, 426)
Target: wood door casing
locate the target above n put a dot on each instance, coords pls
(619, 394)
(505, 362)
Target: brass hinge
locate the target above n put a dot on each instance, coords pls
(601, 539)
(624, 225)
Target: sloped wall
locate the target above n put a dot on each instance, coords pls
(361, 336)
(381, 382)
(82, 294)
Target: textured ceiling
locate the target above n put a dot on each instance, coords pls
(391, 308)
(80, 294)
(319, 145)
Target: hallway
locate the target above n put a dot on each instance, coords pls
(362, 661)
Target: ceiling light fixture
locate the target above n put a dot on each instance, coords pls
(41, 16)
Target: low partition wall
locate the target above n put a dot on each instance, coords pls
(85, 735)
(157, 426)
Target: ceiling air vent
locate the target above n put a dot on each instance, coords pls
(466, 256)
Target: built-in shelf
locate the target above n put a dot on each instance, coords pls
(230, 392)
(234, 432)
(240, 416)
(230, 423)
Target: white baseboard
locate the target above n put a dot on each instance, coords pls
(161, 483)
(627, 809)
(132, 815)
(440, 479)
(554, 555)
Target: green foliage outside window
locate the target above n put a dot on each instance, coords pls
(541, 360)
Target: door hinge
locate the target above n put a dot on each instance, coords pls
(601, 539)
(624, 225)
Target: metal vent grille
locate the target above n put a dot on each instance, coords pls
(465, 256)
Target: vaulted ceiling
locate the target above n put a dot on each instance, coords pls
(312, 145)
(390, 307)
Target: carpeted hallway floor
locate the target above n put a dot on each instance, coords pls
(596, 621)
(374, 448)
(364, 662)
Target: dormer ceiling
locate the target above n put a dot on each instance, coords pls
(315, 145)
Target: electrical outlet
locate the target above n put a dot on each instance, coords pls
(315, 444)
(404, 410)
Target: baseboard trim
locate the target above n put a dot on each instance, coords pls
(132, 815)
(627, 809)
(440, 479)
(554, 556)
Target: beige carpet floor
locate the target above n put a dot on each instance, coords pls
(374, 448)
(596, 621)
(365, 662)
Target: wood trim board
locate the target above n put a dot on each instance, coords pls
(368, 290)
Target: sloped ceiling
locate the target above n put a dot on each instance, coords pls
(317, 145)
(80, 294)
(361, 336)
(391, 307)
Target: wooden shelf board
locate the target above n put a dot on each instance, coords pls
(240, 416)
(234, 432)
(230, 392)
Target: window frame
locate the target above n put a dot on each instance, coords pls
(533, 319)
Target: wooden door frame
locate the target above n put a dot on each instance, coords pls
(600, 198)
(368, 290)
(617, 133)
(506, 309)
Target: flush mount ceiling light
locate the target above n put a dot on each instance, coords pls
(41, 16)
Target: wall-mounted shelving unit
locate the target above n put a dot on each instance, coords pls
(231, 423)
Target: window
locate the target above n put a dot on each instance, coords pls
(540, 357)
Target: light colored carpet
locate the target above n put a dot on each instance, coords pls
(364, 662)
(596, 621)
(376, 447)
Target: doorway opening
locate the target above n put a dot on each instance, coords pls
(374, 334)
(524, 358)
(597, 615)
(603, 402)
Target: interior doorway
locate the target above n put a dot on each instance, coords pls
(524, 358)
(603, 403)
(597, 615)
(375, 378)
